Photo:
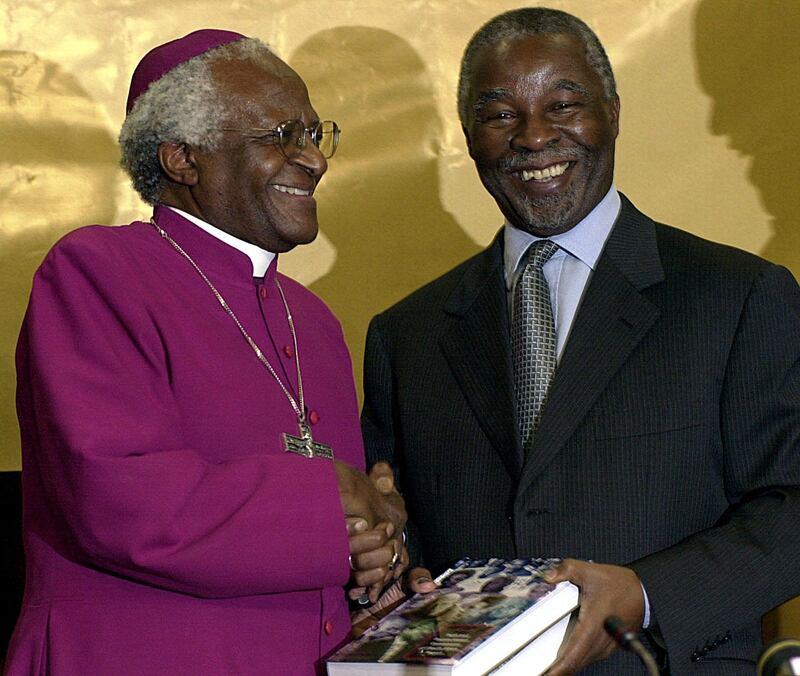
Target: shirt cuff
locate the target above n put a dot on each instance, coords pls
(646, 621)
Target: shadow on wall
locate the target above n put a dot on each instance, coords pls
(58, 167)
(379, 203)
(748, 60)
(749, 63)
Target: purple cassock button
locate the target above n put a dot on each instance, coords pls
(313, 417)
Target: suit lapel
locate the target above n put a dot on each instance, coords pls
(613, 317)
(476, 347)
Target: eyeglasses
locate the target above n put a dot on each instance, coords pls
(291, 136)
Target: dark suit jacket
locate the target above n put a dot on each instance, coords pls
(669, 441)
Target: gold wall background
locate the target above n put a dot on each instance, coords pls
(710, 128)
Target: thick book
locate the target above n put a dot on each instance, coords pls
(488, 616)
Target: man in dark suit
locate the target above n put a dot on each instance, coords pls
(661, 454)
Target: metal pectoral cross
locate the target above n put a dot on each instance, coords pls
(305, 445)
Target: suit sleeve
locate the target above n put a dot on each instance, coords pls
(377, 423)
(121, 490)
(377, 420)
(729, 575)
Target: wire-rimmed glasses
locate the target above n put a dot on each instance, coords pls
(291, 136)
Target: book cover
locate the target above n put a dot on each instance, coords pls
(483, 617)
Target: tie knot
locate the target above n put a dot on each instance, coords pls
(541, 251)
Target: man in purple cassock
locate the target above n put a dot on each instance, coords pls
(193, 495)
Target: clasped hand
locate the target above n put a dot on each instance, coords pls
(376, 517)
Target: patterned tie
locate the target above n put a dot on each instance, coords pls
(533, 339)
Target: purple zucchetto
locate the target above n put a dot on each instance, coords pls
(162, 59)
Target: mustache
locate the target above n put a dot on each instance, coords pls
(520, 159)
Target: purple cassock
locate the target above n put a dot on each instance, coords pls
(166, 529)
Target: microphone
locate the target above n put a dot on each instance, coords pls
(629, 640)
(780, 658)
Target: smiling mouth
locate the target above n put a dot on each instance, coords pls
(545, 174)
(291, 190)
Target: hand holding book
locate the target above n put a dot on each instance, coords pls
(605, 590)
(483, 614)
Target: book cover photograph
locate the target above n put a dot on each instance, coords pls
(484, 616)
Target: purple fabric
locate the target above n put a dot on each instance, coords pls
(162, 59)
(166, 530)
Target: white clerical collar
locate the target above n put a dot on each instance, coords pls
(585, 241)
(261, 258)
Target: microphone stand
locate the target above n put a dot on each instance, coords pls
(629, 640)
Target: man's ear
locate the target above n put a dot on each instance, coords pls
(614, 115)
(469, 143)
(178, 162)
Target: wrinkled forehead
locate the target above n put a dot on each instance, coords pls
(252, 88)
(526, 56)
(245, 74)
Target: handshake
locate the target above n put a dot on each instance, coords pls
(376, 519)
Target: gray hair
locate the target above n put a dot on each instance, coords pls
(183, 106)
(528, 21)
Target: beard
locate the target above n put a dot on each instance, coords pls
(549, 213)
(545, 213)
